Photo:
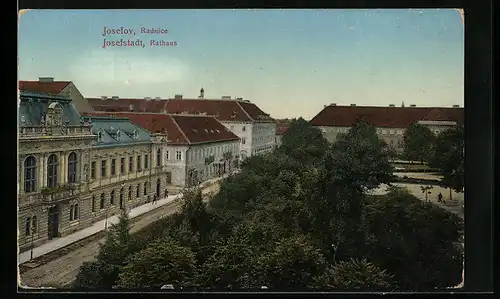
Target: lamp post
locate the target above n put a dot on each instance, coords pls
(32, 244)
(106, 221)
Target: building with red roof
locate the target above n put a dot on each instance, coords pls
(255, 128)
(62, 88)
(198, 148)
(391, 122)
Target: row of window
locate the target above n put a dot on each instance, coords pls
(262, 138)
(31, 226)
(30, 171)
(202, 153)
(104, 166)
(243, 128)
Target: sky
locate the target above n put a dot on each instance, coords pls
(289, 62)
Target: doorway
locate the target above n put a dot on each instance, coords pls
(53, 222)
(158, 188)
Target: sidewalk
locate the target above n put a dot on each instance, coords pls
(98, 226)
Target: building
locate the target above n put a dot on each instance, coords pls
(74, 171)
(63, 88)
(390, 122)
(280, 130)
(255, 128)
(199, 147)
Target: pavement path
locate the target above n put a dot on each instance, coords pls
(63, 270)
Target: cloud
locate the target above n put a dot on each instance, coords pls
(127, 67)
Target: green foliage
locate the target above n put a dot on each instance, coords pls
(359, 275)
(418, 141)
(103, 272)
(163, 262)
(448, 156)
(297, 218)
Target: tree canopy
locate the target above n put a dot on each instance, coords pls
(300, 218)
(418, 142)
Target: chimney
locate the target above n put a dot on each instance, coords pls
(131, 107)
(239, 99)
(403, 104)
(157, 98)
(104, 97)
(178, 97)
(456, 106)
(413, 105)
(324, 106)
(202, 93)
(333, 104)
(147, 98)
(226, 97)
(115, 97)
(353, 105)
(46, 79)
(392, 105)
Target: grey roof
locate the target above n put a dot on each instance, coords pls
(117, 131)
(34, 104)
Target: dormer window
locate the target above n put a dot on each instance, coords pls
(211, 131)
(217, 131)
(206, 131)
(118, 134)
(136, 134)
(99, 136)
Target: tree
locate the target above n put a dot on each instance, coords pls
(103, 272)
(293, 264)
(418, 141)
(303, 142)
(358, 275)
(358, 159)
(163, 262)
(448, 156)
(418, 242)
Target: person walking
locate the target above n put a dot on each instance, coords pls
(154, 199)
(440, 197)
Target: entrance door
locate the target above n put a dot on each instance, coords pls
(158, 188)
(53, 222)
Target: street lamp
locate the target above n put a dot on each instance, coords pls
(32, 244)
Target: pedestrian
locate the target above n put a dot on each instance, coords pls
(440, 197)
(154, 199)
(166, 193)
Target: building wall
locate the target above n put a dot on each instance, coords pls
(277, 140)
(78, 99)
(198, 153)
(176, 166)
(263, 137)
(244, 131)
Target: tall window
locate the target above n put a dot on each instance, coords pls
(146, 161)
(52, 164)
(103, 168)
(101, 204)
(122, 165)
(121, 195)
(76, 212)
(129, 192)
(113, 166)
(130, 164)
(138, 191)
(112, 198)
(138, 163)
(145, 189)
(72, 168)
(158, 157)
(243, 140)
(93, 203)
(28, 226)
(30, 174)
(178, 155)
(73, 212)
(167, 155)
(243, 128)
(34, 224)
(92, 170)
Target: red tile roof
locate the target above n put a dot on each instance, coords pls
(123, 105)
(53, 87)
(280, 130)
(389, 117)
(181, 129)
(225, 110)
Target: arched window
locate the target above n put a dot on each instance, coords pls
(112, 198)
(72, 168)
(101, 204)
(158, 157)
(28, 226)
(121, 194)
(71, 213)
(34, 224)
(129, 192)
(138, 191)
(145, 189)
(52, 164)
(30, 174)
(75, 212)
(93, 203)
